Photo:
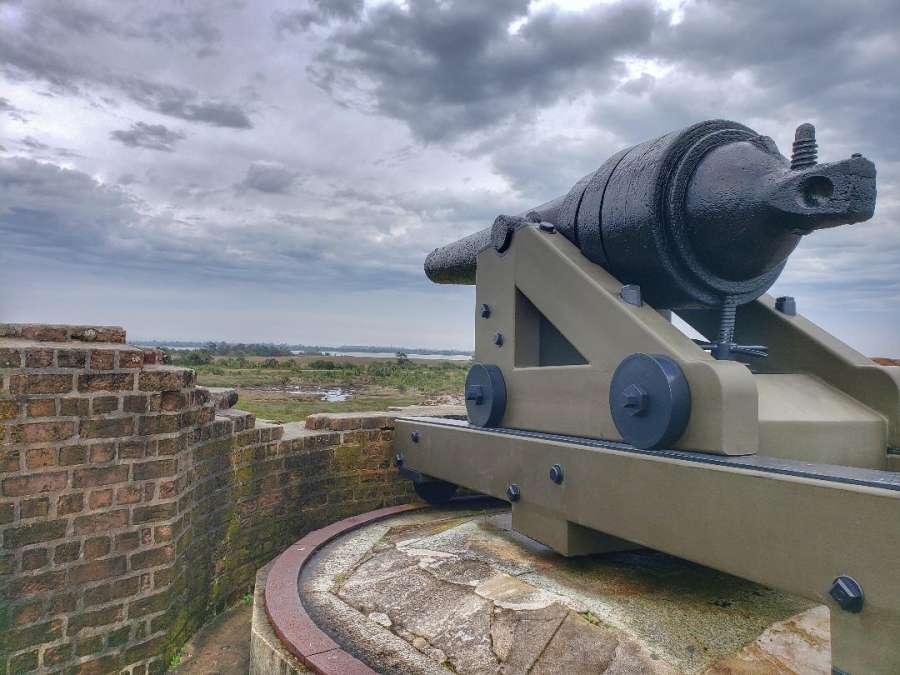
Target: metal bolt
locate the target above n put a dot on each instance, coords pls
(631, 293)
(513, 492)
(398, 459)
(549, 228)
(635, 399)
(848, 594)
(498, 339)
(786, 305)
(856, 154)
(414, 437)
(556, 474)
(475, 393)
(485, 311)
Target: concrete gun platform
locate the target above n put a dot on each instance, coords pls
(438, 589)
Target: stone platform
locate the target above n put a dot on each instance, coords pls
(432, 590)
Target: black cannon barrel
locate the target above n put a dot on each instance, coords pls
(694, 217)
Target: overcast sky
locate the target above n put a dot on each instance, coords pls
(277, 171)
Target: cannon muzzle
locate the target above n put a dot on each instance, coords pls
(695, 217)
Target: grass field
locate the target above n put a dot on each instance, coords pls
(287, 389)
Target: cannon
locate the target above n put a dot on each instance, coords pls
(766, 448)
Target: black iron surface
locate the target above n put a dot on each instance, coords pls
(694, 217)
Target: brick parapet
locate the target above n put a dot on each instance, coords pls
(133, 506)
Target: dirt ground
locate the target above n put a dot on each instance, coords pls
(221, 647)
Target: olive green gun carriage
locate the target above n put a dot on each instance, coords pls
(768, 450)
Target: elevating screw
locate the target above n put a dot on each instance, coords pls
(805, 151)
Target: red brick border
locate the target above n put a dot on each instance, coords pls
(286, 613)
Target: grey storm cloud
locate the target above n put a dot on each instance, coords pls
(447, 68)
(320, 12)
(151, 136)
(270, 177)
(43, 43)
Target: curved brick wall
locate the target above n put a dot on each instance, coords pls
(133, 506)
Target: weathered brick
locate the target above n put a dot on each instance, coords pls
(88, 646)
(40, 383)
(42, 333)
(150, 605)
(25, 662)
(74, 406)
(163, 577)
(53, 656)
(72, 454)
(42, 407)
(35, 508)
(68, 552)
(132, 449)
(101, 522)
(34, 558)
(103, 359)
(43, 432)
(153, 557)
(135, 404)
(9, 460)
(99, 617)
(39, 458)
(34, 635)
(28, 612)
(95, 476)
(99, 499)
(18, 486)
(105, 382)
(114, 590)
(98, 333)
(9, 410)
(158, 424)
(132, 358)
(144, 650)
(7, 564)
(172, 401)
(34, 533)
(107, 428)
(102, 452)
(118, 637)
(165, 380)
(10, 358)
(104, 404)
(7, 512)
(96, 547)
(157, 469)
(147, 514)
(171, 446)
(68, 504)
(26, 586)
(63, 603)
(97, 570)
(38, 358)
(71, 358)
(130, 494)
(128, 541)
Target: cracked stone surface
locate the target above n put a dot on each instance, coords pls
(456, 590)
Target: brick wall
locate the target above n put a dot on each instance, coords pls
(134, 505)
